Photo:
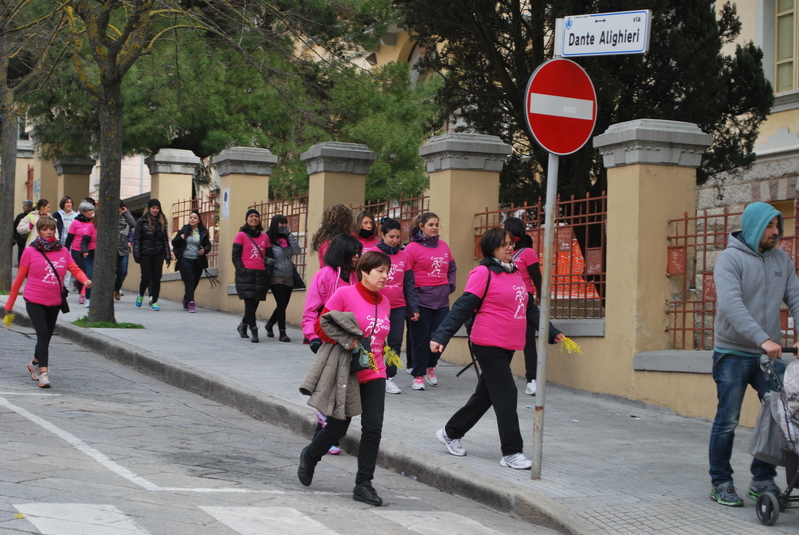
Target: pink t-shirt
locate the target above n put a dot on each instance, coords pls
(251, 256)
(502, 318)
(349, 299)
(394, 289)
(430, 266)
(523, 258)
(78, 229)
(90, 230)
(368, 245)
(42, 286)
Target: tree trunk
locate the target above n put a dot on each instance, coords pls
(8, 120)
(105, 256)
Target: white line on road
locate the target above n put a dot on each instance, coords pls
(28, 394)
(79, 519)
(436, 522)
(271, 520)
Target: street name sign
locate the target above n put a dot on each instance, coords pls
(602, 34)
(560, 106)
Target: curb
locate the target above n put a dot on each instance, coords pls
(527, 504)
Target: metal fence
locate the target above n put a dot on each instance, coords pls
(208, 206)
(694, 244)
(296, 211)
(403, 210)
(578, 274)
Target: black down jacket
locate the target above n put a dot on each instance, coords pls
(150, 240)
(250, 283)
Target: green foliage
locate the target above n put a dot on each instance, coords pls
(83, 321)
(488, 50)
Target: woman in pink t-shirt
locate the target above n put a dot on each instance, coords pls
(44, 264)
(371, 311)
(251, 249)
(74, 241)
(526, 260)
(495, 289)
(365, 229)
(335, 220)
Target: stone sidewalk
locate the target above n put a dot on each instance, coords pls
(609, 465)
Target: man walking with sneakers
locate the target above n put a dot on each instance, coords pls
(753, 278)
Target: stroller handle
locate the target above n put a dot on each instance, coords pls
(789, 350)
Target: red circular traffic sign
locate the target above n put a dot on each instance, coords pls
(560, 106)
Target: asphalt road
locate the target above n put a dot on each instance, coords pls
(108, 451)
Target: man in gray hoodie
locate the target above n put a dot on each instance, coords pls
(753, 278)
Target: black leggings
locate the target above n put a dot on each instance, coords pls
(190, 273)
(151, 269)
(282, 295)
(77, 256)
(43, 318)
(250, 307)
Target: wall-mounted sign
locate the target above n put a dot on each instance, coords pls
(601, 34)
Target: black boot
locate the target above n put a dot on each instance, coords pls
(268, 328)
(242, 330)
(283, 337)
(306, 468)
(367, 494)
(254, 331)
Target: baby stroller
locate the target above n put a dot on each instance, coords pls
(776, 436)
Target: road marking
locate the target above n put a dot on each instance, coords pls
(79, 519)
(28, 394)
(435, 522)
(272, 520)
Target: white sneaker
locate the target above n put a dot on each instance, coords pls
(88, 303)
(453, 444)
(531, 387)
(391, 387)
(44, 380)
(418, 383)
(517, 461)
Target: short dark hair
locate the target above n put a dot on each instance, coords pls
(492, 239)
(64, 200)
(341, 250)
(372, 260)
(387, 224)
(515, 226)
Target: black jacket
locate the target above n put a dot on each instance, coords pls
(179, 245)
(250, 283)
(150, 240)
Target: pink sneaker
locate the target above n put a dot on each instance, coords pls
(81, 299)
(431, 377)
(334, 450)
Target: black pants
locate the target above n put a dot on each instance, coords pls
(77, 256)
(151, 269)
(394, 338)
(421, 333)
(373, 397)
(530, 351)
(282, 295)
(20, 250)
(190, 273)
(496, 388)
(43, 318)
(250, 307)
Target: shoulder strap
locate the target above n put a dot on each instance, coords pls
(256, 245)
(52, 266)
(485, 293)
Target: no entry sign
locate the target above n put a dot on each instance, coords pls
(560, 106)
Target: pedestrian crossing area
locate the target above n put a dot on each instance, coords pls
(104, 519)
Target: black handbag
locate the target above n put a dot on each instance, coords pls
(360, 355)
(64, 292)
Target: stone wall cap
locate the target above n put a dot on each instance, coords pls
(655, 130)
(466, 143)
(74, 165)
(246, 154)
(172, 161)
(338, 149)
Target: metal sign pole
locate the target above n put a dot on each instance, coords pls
(543, 325)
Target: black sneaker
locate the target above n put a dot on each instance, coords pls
(756, 489)
(366, 494)
(306, 468)
(726, 495)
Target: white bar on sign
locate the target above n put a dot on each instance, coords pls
(78, 519)
(271, 520)
(573, 108)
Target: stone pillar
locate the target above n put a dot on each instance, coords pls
(45, 180)
(464, 180)
(243, 181)
(337, 175)
(171, 171)
(651, 178)
(25, 158)
(73, 179)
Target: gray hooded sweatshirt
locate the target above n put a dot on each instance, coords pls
(751, 286)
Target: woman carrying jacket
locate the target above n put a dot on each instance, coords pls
(400, 293)
(284, 246)
(42, 292)
(371, 311)
(526, 260)
(251, 251)
(27, 225)
(434, 272)
(365, 229)
(190, 246)
(494, 289)
(150, 249)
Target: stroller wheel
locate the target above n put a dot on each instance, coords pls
(768, 508)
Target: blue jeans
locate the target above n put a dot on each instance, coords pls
(89, 263)
(732, 374)
(122, 271)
